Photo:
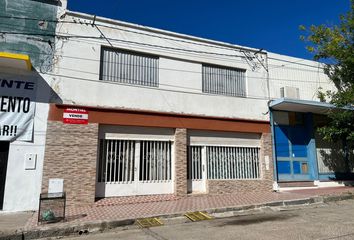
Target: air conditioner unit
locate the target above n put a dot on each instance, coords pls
(289, 92)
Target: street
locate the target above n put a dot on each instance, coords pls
(324, 222)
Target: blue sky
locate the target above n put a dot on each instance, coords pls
(268, 24)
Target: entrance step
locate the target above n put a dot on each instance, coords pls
(296, 184)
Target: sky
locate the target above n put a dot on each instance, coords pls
(272, 25)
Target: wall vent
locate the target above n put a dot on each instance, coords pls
(289, 92)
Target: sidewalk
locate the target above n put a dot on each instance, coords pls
(112, 212)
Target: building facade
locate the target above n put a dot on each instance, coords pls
(132, 110)
(167, 113)
(158, 123)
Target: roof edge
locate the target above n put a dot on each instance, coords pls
(278, 101)
(160, 31)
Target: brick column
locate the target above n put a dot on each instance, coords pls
(267, 150)
(71, 154)
(180, 161)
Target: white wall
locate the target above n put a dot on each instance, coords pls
(22, 187)
(180, 75)
(306, 75)
(76, 81)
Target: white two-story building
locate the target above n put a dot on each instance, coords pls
(166, 113)
(133, 110)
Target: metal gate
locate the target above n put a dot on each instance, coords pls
(196, 169)
(221, 163)
(233, 162)
(127, 167)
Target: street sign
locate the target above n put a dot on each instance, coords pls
(75, 116)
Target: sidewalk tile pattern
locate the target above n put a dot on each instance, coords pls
(147, 206)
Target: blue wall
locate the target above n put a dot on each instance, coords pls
(294, 150)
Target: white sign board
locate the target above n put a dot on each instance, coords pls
(56, 185)
(17, 107)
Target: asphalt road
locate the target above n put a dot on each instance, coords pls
(334, 221)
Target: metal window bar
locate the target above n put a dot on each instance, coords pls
(130, 68)
(194, 164)
(155, 161)
(116, 162)
(231, 162)
(223, 81)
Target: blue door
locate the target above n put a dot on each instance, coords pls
(292, 153)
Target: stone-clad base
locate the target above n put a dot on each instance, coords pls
(238, 186)
(71, 154)
(265, 183)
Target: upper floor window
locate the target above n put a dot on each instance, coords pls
(224, 81)
(129, 67)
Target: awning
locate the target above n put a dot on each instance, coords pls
(296, 105)
(13, 60)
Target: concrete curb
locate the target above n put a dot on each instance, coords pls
(100, 226)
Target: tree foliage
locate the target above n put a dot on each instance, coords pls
(334, 46)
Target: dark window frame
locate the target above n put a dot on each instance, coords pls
(134, 82)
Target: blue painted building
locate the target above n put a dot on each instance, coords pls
(301, 155)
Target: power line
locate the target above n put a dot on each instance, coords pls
(199, 73)
(166, 38)
(131, 31)
(162, 68)
(192, 90)
(292, 62)
(154, 88)
(145, 44)
(77, 36)
(120, 40)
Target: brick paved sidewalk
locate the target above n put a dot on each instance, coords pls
(112, 209)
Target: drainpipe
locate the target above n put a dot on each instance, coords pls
(268, 83)
(275, 175)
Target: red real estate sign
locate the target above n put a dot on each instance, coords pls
(75, 116)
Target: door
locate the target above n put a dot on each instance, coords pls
(291, 145)
(4, 153)
(130, 167)
(197, 169)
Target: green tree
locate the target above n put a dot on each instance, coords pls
(334, 46)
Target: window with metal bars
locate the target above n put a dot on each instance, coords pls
(194, 163)
(233, 162)
(129, 67)
(224, 81)
(155, 161)
(117, 161)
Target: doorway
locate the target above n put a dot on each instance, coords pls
(4, 153)
(291, 146)
(134, 167)
(196, 169)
